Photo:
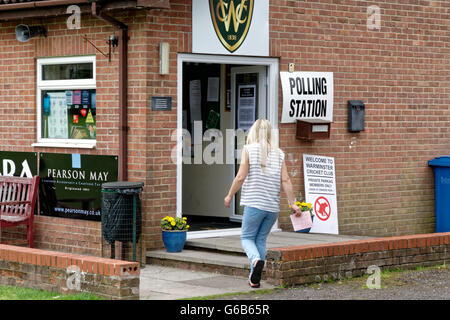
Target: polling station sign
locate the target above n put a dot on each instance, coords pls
(307, 96)
(320, 191)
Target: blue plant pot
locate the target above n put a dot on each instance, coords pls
(307, 229)
(174, 240)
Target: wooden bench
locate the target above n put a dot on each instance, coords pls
(17, 203)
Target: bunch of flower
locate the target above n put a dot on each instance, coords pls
(170, 223)
(304, 206)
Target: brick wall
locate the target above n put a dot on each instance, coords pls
(68, 273)
(172, 26)
(316, 263)
(18, 96)
(400, 71)
(384, 185)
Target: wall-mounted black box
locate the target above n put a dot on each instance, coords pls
(356, 111)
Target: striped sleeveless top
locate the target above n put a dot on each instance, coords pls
(261, 190)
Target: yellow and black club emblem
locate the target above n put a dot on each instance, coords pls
(231, 20)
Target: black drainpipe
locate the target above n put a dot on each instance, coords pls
(123, 87)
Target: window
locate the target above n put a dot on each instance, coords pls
(66, 101)
(67, 71)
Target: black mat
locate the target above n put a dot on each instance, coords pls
(201, 223)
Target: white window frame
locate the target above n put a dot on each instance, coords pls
(62, 85)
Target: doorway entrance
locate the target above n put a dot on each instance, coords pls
(219, 99)
(248, 103)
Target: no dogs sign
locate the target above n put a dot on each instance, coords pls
(320, 190)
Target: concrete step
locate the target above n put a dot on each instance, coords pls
(202, 257)
(201, 260)
(223, 245)
(232, 244)
(225, 255)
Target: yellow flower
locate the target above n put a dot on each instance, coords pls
(297, 203)
(173, 223)
(187, 226)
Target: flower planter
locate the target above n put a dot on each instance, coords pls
(174, 240)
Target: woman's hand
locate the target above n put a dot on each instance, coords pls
(296, 210)
(227, 201)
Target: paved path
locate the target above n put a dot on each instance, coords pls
(167, 283)
(428, 284)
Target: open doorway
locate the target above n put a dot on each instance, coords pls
(220, 100)
(206, 112)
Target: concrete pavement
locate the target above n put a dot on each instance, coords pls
(168, 283)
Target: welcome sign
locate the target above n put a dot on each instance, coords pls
(320, 190)
(238, 27)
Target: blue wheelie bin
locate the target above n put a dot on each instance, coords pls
(441, 168)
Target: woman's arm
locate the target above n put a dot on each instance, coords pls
(287, 187)
(239, 179)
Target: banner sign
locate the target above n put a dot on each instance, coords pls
(18, 164)
(320, 191)
(70, 184)
(238, 27)
(307, 96)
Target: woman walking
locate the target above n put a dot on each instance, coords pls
(261, 174)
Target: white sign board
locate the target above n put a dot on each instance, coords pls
(57, 120)
(246, 106)
(320, 191)
(307, 96)
(236, 27)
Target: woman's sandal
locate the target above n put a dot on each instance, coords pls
(255, 276)
(253, 285)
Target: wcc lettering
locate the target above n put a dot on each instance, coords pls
(233, 14)
(308, 87)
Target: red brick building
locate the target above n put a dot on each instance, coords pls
(396, 60)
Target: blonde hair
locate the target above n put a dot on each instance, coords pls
(261, 132)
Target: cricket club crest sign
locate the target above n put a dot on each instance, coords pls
(231, 20)
(230, 27)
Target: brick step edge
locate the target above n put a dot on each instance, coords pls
(314, 263)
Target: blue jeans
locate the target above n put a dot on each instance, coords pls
(256, 226)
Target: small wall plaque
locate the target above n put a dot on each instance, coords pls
(161, 103)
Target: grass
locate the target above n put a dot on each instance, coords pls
(18, 293)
